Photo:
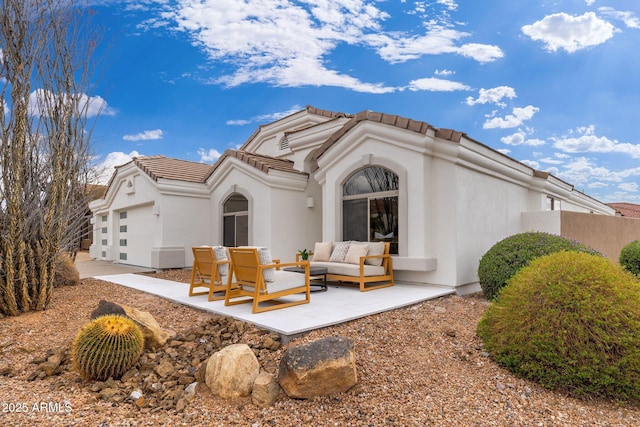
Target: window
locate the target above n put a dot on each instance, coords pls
(123, 242)
(123, 256)
(123, 215)
(370, 207)
(104, 242)
(553, 204)
(104, 218)
(123, 228)
(235, 221)
(104, 230)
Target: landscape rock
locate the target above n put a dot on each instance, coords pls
(265, 389)
(232, 371)
(105, 308)
(154, 336)
(322, 367)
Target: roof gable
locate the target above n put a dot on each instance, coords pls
(259, 161)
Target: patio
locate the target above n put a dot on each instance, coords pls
(337, 305)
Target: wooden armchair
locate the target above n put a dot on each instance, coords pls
(206, 273)
(277, 291)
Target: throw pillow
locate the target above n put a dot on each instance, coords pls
(220, 252)
(264, 255)
(375, 248)
(322, 251)
(339, 252)
(355, 252)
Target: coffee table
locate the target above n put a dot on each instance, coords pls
(313, 272)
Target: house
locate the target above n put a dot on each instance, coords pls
(629, 210)
(438, 196)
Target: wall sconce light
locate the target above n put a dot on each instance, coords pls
(310, 202)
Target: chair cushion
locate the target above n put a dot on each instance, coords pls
(284, 280)
(264, 254)
(344, 269)
(339, 252)
(375, 248)
(322, 251)
(355, 252)
(220, 252)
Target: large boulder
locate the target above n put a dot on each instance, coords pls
(154, 336)
(322, 367)
(232, 371)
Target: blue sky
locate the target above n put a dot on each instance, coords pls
(553, 84)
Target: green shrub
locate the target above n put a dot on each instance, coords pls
(630, 257)
(506, 257)
(571, 322)
(107, 347)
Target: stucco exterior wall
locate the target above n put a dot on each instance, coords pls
(608, 234)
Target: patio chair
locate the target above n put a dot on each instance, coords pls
(208, 272)
(265, 285)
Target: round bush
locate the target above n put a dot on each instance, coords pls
(630, 257)
(506, 257)
(571, 322)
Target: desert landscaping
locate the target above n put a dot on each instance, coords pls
(421, 365)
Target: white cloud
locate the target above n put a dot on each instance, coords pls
(147, 135)
(104, 169)
(208, 156)
(481, 52)
(91, 106)
(631, 187)
(629, 18)
(493, 96)
(571, 33)
(444, 73)
(597, 184)
(531, 163)
(436, 85)
(262, 118)
(518, 116)
(520, 138)
(288, 43)
(588, 142)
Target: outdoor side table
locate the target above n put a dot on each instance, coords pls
(313, 272)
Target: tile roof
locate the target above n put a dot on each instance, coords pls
(167, 168)
(388, 119)
(626, 209)
(258, 161)
(309, 109)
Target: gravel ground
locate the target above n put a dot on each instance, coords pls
(418, 366)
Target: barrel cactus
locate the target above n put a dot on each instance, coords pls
(107, 347)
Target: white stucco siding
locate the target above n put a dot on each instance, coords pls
(488, 209)
(185, 223)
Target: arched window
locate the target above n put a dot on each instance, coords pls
(235, 221)
(370, 206)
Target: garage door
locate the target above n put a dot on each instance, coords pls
(136, 235)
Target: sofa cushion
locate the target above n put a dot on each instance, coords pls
(220, 252)
(344, 269)
(355, 252)
(339, 252)
(375, 248)
(322, 251)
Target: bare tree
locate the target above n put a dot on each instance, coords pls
(46, 66)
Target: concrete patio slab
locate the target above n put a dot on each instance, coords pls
(337, 305)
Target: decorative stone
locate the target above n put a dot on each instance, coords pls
(265, 390)
(164, 369)
(107, 307)
(154, 336)
(322, 367)
(232, 371)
